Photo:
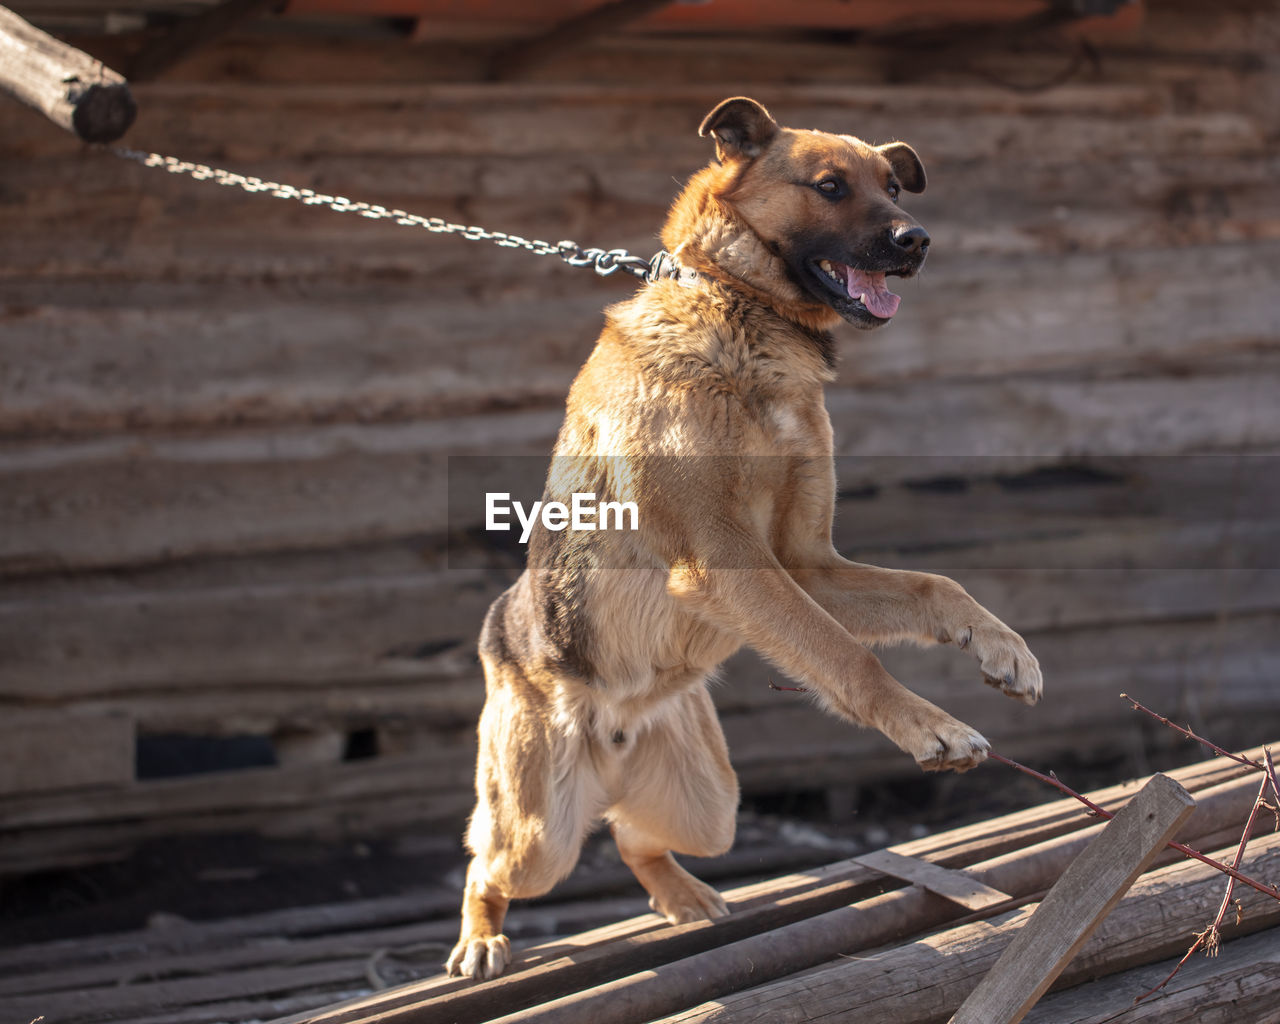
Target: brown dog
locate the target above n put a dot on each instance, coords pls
(702, 404)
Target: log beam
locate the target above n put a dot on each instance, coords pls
(518, 60)
(71, 88)
(193, 34)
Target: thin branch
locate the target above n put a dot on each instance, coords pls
(1192, 736)
(1186, 851)
(1200, 937)
(1210, 937)
(1055, 782)
(1275, 785)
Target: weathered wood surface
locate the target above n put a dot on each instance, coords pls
(258, 492)
(1241, 984)
(1077, 904)
(275, 963)
(634, 977)
(949, 883)
(44, 752)
(225, 419)
(240, 623)
(193, 33)
(431, 785)
(923, 982)
(72, 89)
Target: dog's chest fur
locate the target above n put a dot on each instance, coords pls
(701, 371)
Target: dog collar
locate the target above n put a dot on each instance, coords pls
(664, 267)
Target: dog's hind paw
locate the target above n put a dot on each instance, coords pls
(480, 959)
(690, 900)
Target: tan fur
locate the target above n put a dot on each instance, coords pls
(702, 402)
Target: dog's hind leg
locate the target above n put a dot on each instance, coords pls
(680, 794)
(536, 795)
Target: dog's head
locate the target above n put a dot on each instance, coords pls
(807, 218)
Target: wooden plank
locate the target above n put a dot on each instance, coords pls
(946, 882)
(44, 752)
(405, 621)
(776, 740)
(235, 492)
(147, 981)
(134, 499)
(666, 984)
(86, 1005)
(1077, 904)
(288, 238)
(517, 60)
(194, 33)
(1242, 984)
(72, 89)
(236, 792)
(942, 964)
(926, 981)
(1173, 204)
(773, 747)
(1174, 38)
(783, 741)
(469, 118)
(969, 221)
(174, 645)
(365, 797)
(166, 956)
(178, 365)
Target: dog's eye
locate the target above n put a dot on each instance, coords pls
(832, 188)
(894, 191)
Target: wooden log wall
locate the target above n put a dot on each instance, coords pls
(227, 419)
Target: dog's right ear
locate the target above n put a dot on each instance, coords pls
(741, 127)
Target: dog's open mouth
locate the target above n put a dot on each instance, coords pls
(865, 288)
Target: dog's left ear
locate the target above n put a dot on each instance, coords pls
(741, 128)
(906, 165)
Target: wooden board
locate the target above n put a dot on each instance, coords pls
(1242, 984)
(1077, 904)
(254, 967)
(924, 981)
(394, 616)
(44, 752)
(1149, 312)
(953, 885)
(635, 981)
(225, 417)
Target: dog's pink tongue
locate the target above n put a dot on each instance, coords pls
(872, 292)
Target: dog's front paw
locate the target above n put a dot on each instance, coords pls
(480, 959)
(940, 743)
(1005, 660)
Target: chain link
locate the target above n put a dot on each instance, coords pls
(603, 261)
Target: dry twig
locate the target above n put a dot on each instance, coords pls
(1099, 812)
(1210, 937)
(1199, 739)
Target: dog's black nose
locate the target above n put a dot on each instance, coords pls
(912, 240)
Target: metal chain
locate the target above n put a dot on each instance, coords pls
(603, 261)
